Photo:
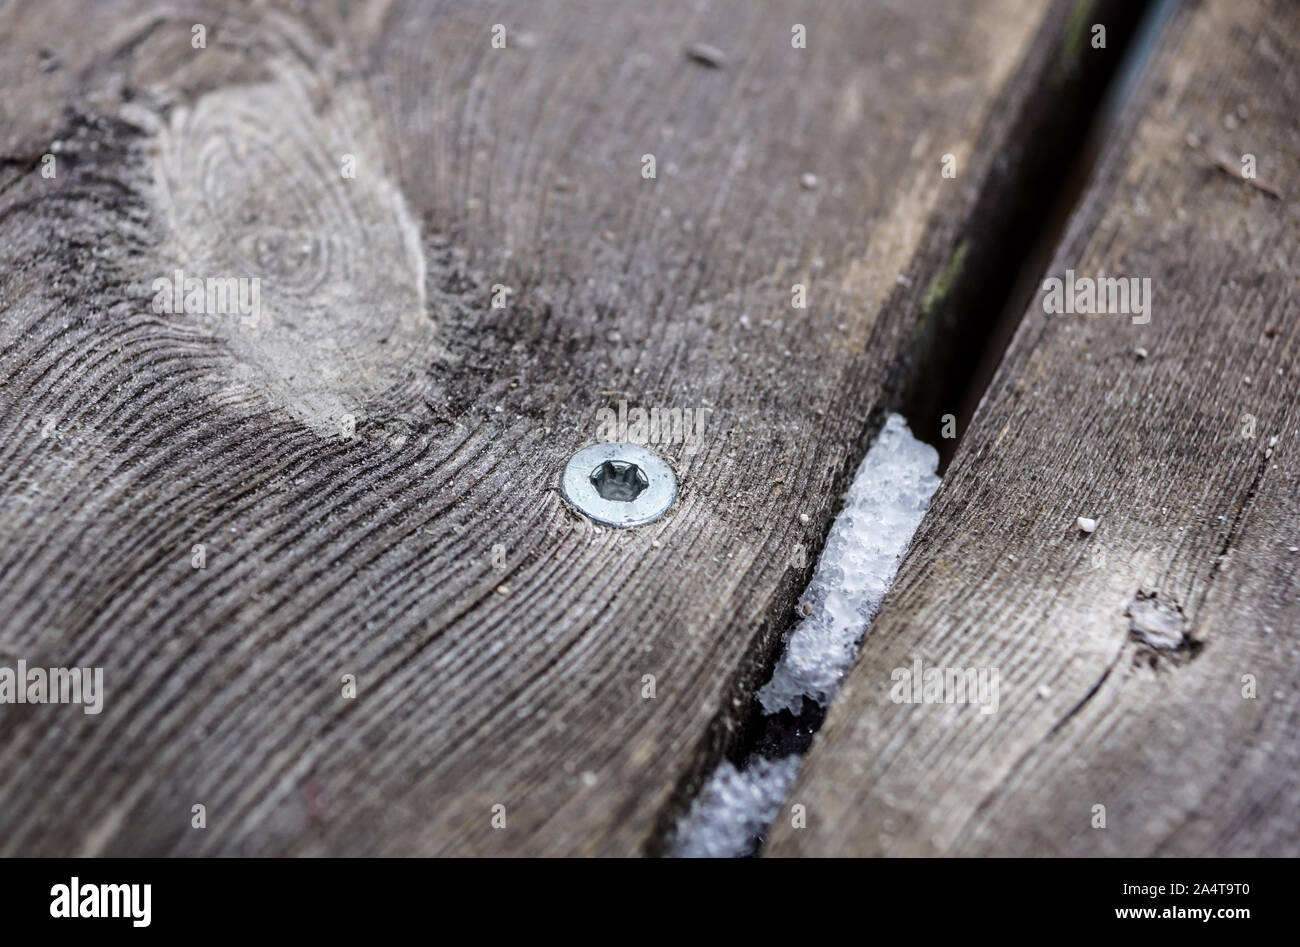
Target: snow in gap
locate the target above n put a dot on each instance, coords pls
(882, 509)
(734, 808)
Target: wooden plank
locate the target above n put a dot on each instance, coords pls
(499, 648)
(1126, 656)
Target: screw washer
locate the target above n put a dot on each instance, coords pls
(652, 503)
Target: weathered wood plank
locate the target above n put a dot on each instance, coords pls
(1181, 437)
(499, 649)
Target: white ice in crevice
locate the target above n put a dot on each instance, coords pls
(882, 509)
(884, 506)
(734, 807)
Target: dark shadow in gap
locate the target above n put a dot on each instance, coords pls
(1002, 269)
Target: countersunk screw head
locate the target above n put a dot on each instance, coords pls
(619, 484)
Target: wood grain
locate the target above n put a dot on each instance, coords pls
(499, 645)
(1181, 437)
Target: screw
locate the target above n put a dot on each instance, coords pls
(619, 484)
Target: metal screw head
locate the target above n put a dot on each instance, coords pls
(619, 484)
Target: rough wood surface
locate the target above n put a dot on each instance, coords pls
(1188, 458)
(131, 437)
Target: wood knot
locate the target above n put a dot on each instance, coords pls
(1159, 626)
(260, 183)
